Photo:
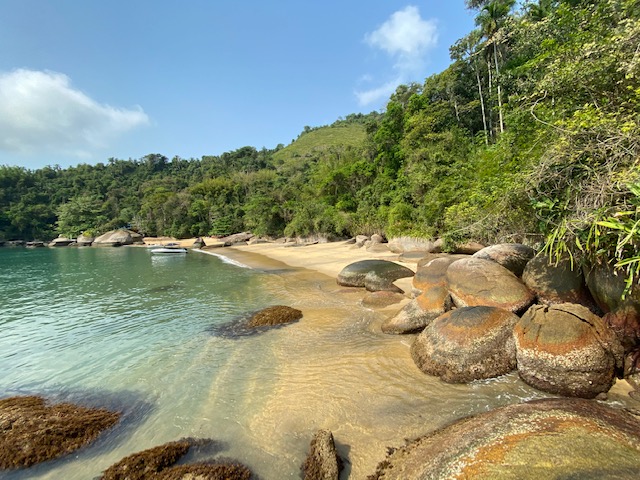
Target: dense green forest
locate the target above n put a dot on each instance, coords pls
(532, 133)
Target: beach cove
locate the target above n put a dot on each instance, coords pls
(270, 393)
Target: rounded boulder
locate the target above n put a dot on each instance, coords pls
(374, 275)
(566, 349)
(475, 282)
(467, 344)
(512, 256)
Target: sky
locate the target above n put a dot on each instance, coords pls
(82, 81)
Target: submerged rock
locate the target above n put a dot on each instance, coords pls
(567, 350)
(550, 438)
(467, 344)
(419, 312)
(32, 431)
(157, 463)
(322, 462)
(276, 315)
(381, 299)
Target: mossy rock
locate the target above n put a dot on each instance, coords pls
(276, 315)
(31, 431)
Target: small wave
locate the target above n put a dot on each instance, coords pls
(224, 259)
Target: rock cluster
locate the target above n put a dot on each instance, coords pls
(502, 308)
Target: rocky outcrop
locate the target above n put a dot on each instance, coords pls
(567, 350)
(475, 282)
(322, 462)
(512, 256)
(276, 315)
(556, 282)
(118, 237)
(551, 438)
(61, 242)
(374, 275)
(467, 344)
(84, 240)
(32, 431)
(237, 239)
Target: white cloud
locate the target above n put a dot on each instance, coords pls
(405, 37)
(40, 111)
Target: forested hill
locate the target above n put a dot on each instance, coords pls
(531, 132)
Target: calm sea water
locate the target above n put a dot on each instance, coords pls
(120, 328)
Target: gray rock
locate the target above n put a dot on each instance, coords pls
(410, 244)
(475, 282)
(567, 350)
(84, 241)
(467, 344)
(374, 275)
(117, 238)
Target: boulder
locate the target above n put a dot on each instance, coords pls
(550, 438)
(198, 243)
(468, 248)
(84, 240)
(118, 237)
(276, 315)
(32, 431)
(61, 242)
(434, 272)
(567, 350)
(410, 244)
(512, 256)
(374, 275)
(237, 239)
(375, 238)
(467, 344)
(556, 282)
(474, 282)
(622, 314)
(381, 299)
(322, 462)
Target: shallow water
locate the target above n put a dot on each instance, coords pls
(120, 328)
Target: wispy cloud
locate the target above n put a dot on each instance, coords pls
(40, 111)
(406, 37)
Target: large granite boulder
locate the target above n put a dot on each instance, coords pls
(237, 239)
(622, 310)
(567, 350)
(467, 344)
(550, 438)
(32, 431)
(374, 275)
(556, 282)
(475, 282)
(61, 242)
(419, 312)
(84, 240)
(512, 256)
(322, 462)
(433, 272)
(118, 237)
(410, 244)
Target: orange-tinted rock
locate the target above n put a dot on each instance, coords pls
(566, 349)
(477, 282)
(467, 344)
(551, 438)
(433, 273)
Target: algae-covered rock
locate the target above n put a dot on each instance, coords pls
(276, 315)
(322, 462)
(32, 431)
(550, 438)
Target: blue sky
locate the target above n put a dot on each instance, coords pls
(85, 80)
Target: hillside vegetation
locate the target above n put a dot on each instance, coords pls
(531, 134)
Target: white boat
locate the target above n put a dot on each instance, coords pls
(168, 250)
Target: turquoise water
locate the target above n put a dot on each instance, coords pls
(120, 328)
